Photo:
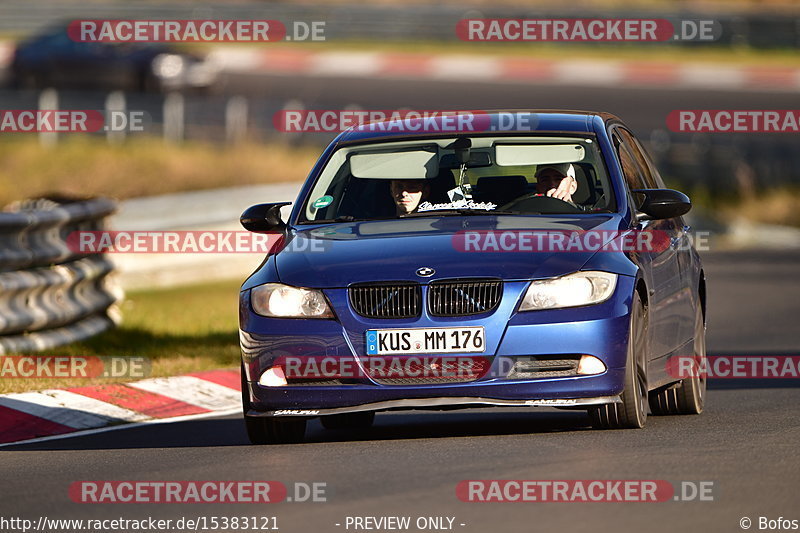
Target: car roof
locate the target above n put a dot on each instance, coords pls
(61, 28)
(547, 120)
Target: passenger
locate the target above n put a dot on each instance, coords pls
(551, 181)
(408, 194)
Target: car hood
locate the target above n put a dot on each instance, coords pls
(337, 255)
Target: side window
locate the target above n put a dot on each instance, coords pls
(634, 176)
(641, 159)
(659, 182)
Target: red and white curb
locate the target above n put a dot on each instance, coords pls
(26, 416)
(496, 69)
(512, 69)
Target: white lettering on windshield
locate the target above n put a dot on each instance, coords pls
(458, 204)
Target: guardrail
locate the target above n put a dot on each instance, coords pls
(49, 295)
(760, 27)
(726, 163)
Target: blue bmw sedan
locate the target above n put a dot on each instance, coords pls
(525, 258)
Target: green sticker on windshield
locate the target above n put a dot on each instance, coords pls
(323, 201)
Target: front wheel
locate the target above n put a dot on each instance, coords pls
(632, 411)
(271, 431)
(25, 79)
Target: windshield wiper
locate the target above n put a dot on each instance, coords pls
(433, 212)
(343, 218)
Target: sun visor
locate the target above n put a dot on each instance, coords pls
(509, 155)
(407, 164)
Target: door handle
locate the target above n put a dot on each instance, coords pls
(675, 241)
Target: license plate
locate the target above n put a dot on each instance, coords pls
(468, 339)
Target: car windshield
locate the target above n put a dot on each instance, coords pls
(461, 176)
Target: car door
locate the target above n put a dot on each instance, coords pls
(662, 273)
(52, 59)
(103, 66)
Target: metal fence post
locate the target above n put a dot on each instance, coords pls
(236, 119)
(173, 117)
(293, 105)
(48, 100)
(115, 102)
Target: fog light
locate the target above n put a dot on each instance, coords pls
(590, 365)
(274, 377)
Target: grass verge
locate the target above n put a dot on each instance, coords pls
(83, 165)
(776, 206)
(181, 330)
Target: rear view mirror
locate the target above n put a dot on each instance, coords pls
(264, 217)
(659, 204)
(476, 159)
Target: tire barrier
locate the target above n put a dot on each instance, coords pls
(49, 295)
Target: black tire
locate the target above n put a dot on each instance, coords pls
(147, 82)
(632, 412)
(689, 396)
(359, 420)
(25, 79)
(264, 430)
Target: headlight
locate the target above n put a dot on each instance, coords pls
(581, 288)
(283, 301)
(168, 65)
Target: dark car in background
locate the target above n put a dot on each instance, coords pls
(53, 59)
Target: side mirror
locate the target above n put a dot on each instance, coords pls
(659, 204)
(264, 217)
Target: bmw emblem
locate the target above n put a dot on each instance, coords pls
(425, 272)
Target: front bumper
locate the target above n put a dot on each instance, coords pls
(599, 330)
(437, 403)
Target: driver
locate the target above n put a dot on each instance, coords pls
(408, 194)
(557, 181)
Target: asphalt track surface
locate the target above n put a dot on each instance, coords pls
(643, 109)
(409, 463)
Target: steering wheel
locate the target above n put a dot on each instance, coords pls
(539, 203)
